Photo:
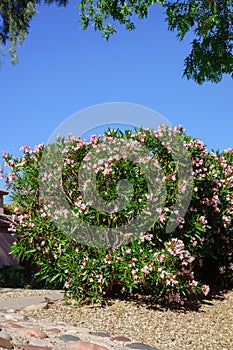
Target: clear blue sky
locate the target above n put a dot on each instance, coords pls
(63, 69)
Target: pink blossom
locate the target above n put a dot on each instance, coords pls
(222, 269)
(193, 283)
(5, 154)
(146, 269)
(146, 237)
(66, 285)
(37, 149)
(205, 289)
(25, 149)
(160, 257)
(108, 259)
(193, 241)
(162, 218)
(11, 177)
(12, 228)
(9, 163)
(42, 213)
(94, 139)
(99, 278)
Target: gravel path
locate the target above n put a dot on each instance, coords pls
(9, 293)
(15, 301)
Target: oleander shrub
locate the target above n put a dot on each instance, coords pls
(175, 264)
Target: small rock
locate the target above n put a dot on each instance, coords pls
(12, 325)
(33, 347)
(69, 337)
(85, 346)
(33, 332)
(36, 342)
(140, 346)
(15, 317)
(35, 307)
(5, 344)
(5, 335)
(121, 338)
(11, 310)
(100, 334)
(54, 330)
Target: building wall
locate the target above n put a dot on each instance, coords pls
(6, 239)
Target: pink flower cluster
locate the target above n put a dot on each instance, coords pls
(176, 247)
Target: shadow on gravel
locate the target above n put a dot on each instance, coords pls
(155, 303)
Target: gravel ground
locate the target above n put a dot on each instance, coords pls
(210, 327)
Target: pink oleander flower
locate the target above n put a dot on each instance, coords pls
(11, 177)
(9, 163)
(5, 154)
(162, 218)
(222, 269)
(193, 283)
(193, 241)
(147, 237)
(176, 298)
(94, 139)
(12, 228)
(146, 269)
(205, 289)
(108, 259)
(37, 149)
(160, 257)
(99, 278)
(25, 149)
(66, 285)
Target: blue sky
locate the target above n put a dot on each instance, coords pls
(63, 70)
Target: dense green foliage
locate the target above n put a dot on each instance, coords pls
(15, 16)
(18, 276)
(172, 264)
(209, 21)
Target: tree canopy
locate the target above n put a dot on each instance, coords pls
(209, 21)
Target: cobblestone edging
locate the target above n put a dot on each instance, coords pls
(20, 332)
